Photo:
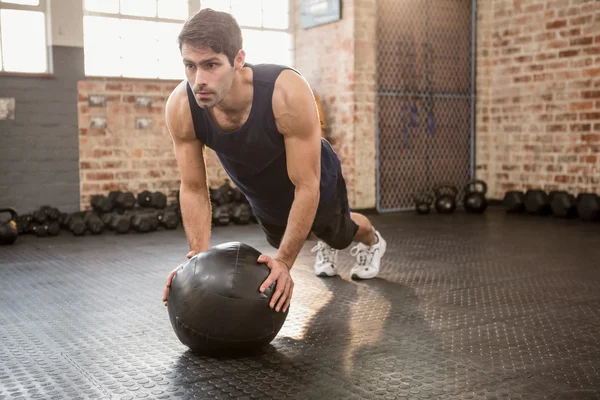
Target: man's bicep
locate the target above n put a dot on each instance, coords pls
(298, 121)
(304, 160)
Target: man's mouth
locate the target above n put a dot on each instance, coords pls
(203, 95)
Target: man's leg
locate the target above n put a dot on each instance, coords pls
(365, 233)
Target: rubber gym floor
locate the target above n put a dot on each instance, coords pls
(465, 307)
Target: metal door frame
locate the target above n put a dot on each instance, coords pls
(472, 160)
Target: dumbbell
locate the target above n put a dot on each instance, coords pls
(222, 195)
(168, 219)
(563, 204)
(147, 199)
(240, 213)
(76, 224)
(24, 223)
(101, 203)
(514, 201)
(122, 200)
(537, 202)
(47, 228)
(119, 223)
(143, 222)
(94, 223)
(221, 215)
(588, 206)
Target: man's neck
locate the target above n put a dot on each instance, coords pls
(240, 95)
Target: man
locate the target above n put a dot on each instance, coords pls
(263, 124)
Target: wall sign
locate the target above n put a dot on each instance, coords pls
(7, 108)
(319, 12)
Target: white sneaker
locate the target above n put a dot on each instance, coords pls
(326, 259)
(368, 258)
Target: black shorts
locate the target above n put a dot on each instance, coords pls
(332, 223)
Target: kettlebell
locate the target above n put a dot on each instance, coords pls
(445, 199)
(8, 229)
(423, 203)
(474, 199)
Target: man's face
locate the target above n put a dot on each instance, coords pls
(210, 75)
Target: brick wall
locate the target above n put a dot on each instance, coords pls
(538, 87)
(326, 56)
(123, 141)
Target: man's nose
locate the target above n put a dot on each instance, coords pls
(200, 79)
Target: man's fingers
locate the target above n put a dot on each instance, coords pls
(277, 294)
(268, 282)
(264, 259)
(286, 294)
(289, 298)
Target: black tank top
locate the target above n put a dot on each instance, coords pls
(254, 155)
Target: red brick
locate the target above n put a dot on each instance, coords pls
(582, 41)
(581, 63)
(570, 32)
(114, 164)
(585, 19)
(556, 24)
(590, 138)
(591, 94)
(524, 59)
(556, 128)
(592, 72)
(589, 159)
(568, 53)
(590, 116)
(119, 87)
(581, 127)
(592, 51)
(525, 78)
(566, 117)
(582, 105)
(533, 8)
(557, 44)
(89, 165)
(99, 176)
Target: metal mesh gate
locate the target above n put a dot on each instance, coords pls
(425, 98)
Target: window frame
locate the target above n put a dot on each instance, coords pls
(42, 7)
(119, 15)
(290, 29)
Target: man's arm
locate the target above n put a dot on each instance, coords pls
(297, 119)
(189, 153)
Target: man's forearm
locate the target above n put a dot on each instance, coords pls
(196, 214)
(300, 220)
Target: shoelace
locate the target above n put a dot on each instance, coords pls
(328, 253)
(363, 254)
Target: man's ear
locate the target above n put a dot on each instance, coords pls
(240, 60)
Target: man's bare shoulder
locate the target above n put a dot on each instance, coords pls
(294, 104)
(178, 115)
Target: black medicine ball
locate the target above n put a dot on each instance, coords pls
(215, 304)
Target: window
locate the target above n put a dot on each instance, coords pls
(23, 45)
(134, 38)
(265, 28)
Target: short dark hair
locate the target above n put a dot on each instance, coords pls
(215, 29)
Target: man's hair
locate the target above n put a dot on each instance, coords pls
(214, 29)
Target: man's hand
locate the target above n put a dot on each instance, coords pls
(170, 279)
(285, 285)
